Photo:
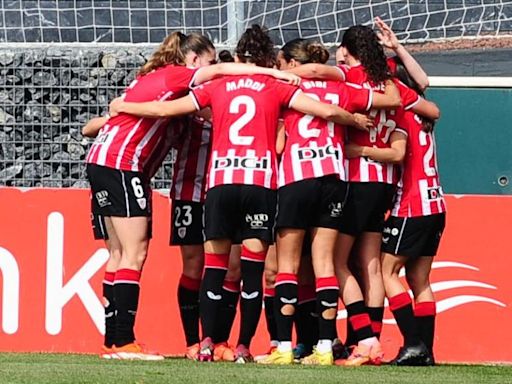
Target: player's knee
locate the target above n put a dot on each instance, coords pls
(329, 313)
(288, 310)
(417, 281)
(270, 277)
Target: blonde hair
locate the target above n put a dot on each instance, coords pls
(173, 50)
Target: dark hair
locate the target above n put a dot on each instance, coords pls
(174, 48)
(255, 46)
(225, 56)
(362, 43)
(305, 51)
(405, 77)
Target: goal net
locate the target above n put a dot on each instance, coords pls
(149, 21)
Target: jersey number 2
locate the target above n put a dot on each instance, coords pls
(250, 111)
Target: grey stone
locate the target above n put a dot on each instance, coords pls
(109, 61)
(44, 78)
(10, 173)
(75, 150)
(6, 58)
(61, 156)
(5, 118)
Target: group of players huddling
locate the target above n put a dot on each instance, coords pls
(282, 149)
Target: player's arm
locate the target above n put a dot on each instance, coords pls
(318, 71)
(390, 99)
(211, 72)
(309, 106)
(426, 108)
(394, 154)
(388, 39)
(94, 125)
(154, 109)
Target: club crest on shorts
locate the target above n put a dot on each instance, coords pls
(336, 209)
(102, 198)
(182, 232)
(257, 221)
(142, 202)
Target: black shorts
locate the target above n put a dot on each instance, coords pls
(413, 236)
(187, 223)
(311, 203)
(119, 193)
(238, 212)
(366, 206)
(99, 227)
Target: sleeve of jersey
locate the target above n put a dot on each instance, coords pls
(409, 97)
(287, 93)
(180, 77)
(201, 96)
(360, 99)
(402, 122)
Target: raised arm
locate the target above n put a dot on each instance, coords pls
(93, 126)
(394, 154)
(154, 109)
(318, 71)
(309, 106)
(388, 39)
(211, 72)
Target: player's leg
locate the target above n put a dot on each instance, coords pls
(327, 293)
(406, 241)
(326, 223)
(418, 277)
(125, 196)
(187, 232)
(221, 220)
(358, 212)
(227, 309)
(269, 294)
(292, 221)
(114, 248)
(306, 317)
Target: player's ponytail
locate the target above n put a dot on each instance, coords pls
(305, 51)
(255, 46)
(173, 50)
(405, 77)
(362, 43)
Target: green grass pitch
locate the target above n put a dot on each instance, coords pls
(58, 368)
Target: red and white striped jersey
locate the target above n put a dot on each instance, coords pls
(193, 153)
(245, 112)
(419, 192)
(127, 141)
(314, 146)
(362, 169)
(170, 137)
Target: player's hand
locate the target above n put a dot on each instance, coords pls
(363, 122)
(386, 36)
(290, 78)
(114, 107)
(353, 150)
